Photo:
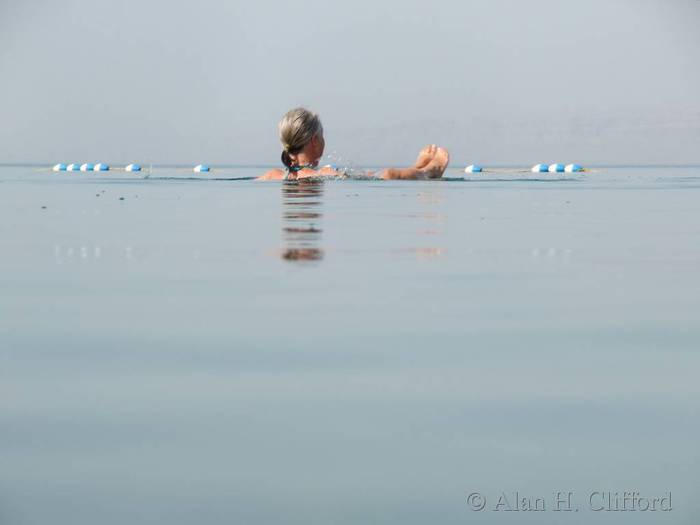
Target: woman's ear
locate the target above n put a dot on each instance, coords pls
(319, 143)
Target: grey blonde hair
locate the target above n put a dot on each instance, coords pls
(296, 130)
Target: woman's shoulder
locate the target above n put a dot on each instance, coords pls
(278, 174)
(273, 174)
(325, 171)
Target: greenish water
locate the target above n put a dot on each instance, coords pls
(222, 351)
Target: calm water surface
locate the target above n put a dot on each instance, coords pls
(228, 351)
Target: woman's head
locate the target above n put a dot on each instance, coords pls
(301, 133)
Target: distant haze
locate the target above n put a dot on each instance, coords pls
(496, 81)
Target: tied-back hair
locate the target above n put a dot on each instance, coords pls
(296, 129)
(287, 160)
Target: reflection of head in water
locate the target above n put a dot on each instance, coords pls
(301, 134)
(301, 214)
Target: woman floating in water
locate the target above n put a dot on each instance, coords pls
(301, 134)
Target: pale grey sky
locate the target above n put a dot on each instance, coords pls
(497, 81)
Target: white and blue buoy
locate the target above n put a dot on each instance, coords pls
(73, 167)
(59, 167)
(540, 168)
(573, 168)
(556, 168)
(133, 167)
(473, 168)
(201, 168)
(101, 167)
(87, 167)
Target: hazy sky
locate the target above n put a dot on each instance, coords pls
(497, 81)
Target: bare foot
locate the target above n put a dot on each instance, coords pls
(434, 161)
(425, 156)
(438, 164)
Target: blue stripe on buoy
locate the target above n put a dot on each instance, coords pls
(473, 168)
(133, 167)
(101, 167)
(59, 167)
(201, 168)
(540, 168)
(573, 168)
(73, 167)
(556, 168)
